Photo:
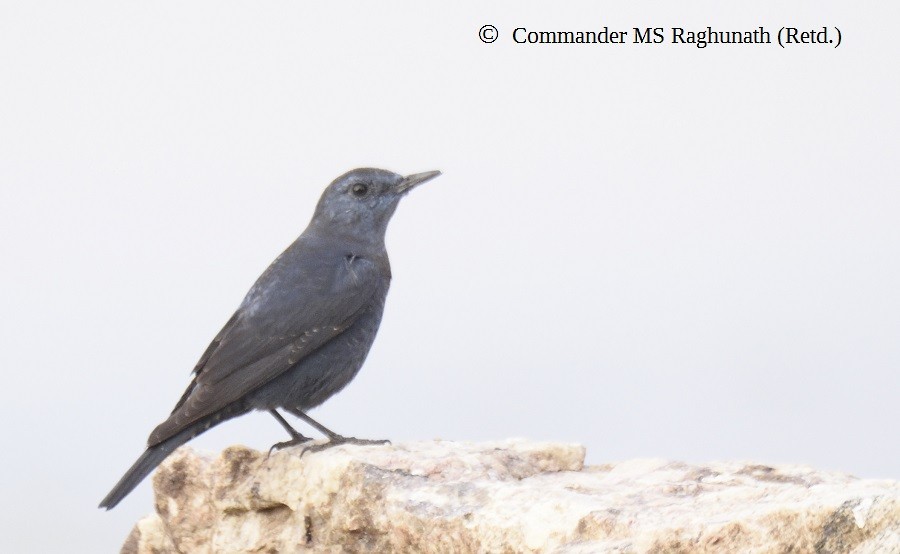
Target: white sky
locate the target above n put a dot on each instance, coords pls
(654, 251)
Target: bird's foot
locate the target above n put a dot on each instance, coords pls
(299, 439)
(339, 440)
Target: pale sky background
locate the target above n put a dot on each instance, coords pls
(655, 251)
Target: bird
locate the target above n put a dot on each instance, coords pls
(304, 328)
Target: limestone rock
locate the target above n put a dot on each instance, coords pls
(511, 496)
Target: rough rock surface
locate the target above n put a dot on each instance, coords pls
(511, 496)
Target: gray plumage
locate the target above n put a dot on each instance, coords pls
(304, 328)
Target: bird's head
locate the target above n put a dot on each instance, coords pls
(360, 203)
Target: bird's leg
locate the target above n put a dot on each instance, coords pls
(333, 438)
(296, 438)
(318, 426)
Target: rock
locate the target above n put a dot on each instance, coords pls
(511, 496)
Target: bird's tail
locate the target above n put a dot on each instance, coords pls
(154, 455)
(151, 458)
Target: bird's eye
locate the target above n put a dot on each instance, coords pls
(359, 189)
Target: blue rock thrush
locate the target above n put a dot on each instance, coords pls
(304, 328)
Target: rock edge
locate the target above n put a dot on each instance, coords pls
(509, 496)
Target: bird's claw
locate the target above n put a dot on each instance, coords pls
(339, 440)
(293, 442)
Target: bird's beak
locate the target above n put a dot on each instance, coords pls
(415, 179)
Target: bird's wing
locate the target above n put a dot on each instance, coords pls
(277, 325)
(205, 358)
